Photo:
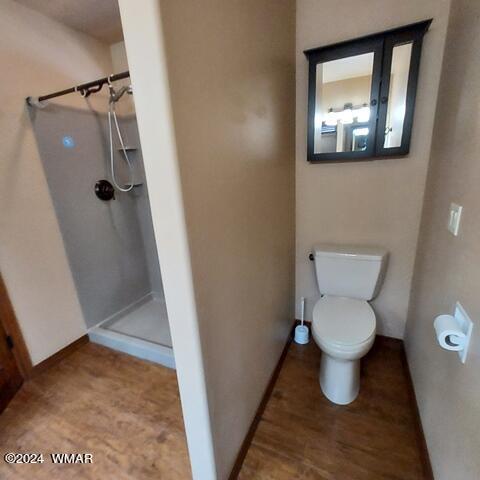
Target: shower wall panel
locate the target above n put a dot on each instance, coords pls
(130, 129)
(104, 241)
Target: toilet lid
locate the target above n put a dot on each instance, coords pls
(343, 321)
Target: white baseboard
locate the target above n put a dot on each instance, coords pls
(133, 346)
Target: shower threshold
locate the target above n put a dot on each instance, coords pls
(141, 330)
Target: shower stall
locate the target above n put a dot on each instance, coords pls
(94, 169)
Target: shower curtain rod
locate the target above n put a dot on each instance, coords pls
(85, 88)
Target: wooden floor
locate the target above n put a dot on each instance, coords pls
(127, 413)
(124, 411)
(302, 435)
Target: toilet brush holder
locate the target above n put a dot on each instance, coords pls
(301, 334)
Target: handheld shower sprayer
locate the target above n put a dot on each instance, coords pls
(115, 96)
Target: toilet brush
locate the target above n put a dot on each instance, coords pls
(301, 331)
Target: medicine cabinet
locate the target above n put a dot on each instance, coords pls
(361, 95)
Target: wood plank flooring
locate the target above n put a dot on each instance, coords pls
(127, 413)
(124, 411)
(302, 436)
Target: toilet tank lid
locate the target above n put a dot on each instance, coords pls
(351, 251)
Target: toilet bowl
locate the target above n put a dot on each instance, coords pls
(344, 329)
(344, 323)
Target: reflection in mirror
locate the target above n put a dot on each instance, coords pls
(342, 104)
(397, 96)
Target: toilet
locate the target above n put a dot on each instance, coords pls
(344, 323)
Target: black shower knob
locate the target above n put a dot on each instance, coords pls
(104, 190)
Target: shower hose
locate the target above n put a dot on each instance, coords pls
(112, 113)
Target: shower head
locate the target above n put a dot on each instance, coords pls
(35, 102)
(115, 96)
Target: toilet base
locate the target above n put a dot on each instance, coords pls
(339, 379)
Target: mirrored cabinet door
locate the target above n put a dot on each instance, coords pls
(343, 108)
(401, 62)
(342, 104)
(397, 95)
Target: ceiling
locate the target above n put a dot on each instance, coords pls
(98, 18)
(362, 65)
(349, 67)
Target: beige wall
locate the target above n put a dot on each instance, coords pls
(120, 64)
(377, 202)
(447, 267)
(39, 56)
(119, 57)
(231, 71)
(351, 90)
(336, 94)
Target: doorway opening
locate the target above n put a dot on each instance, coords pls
(92, 158)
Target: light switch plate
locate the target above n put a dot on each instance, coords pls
(454, 218)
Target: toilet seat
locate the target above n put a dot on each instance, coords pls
(343, 322)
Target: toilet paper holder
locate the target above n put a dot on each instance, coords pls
(453, 332)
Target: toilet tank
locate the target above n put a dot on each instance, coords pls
(349, 271)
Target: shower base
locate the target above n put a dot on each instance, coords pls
(141, 330)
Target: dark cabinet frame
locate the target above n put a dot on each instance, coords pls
(381, 45)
